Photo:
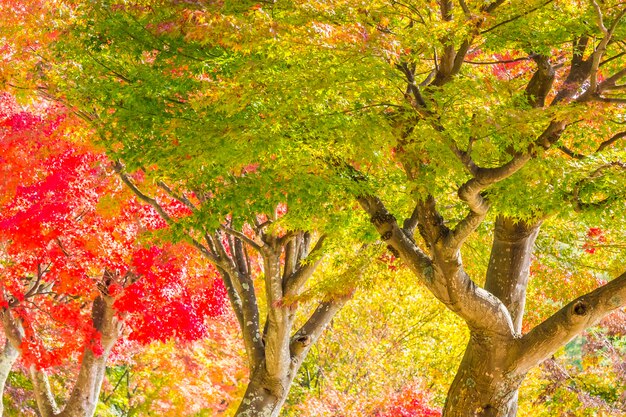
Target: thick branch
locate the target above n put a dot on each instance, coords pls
(308, 334)
(579, 71)
(470, 192)
(541, 82)
(243, 298)
(444, 278)
(560, 328)
(13, 330)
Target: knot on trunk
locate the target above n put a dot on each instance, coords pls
(274, 386)
(393, 251)
(581, 308)
(382, 217)
(299, 344)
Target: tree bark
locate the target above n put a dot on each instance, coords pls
(265, 395)
(83, 399)
(486, 383)
(7, 358)
(487, 380)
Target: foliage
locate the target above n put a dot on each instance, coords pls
(453, 115)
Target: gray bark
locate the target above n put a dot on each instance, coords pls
(267, 392)
(7, 358)
(498, 356)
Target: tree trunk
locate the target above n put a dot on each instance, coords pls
(7, 358)
(84, 397)
(266, 394)
(264, 397)
(484, 385)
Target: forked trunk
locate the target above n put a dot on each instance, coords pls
(83, 399)
(485, 384)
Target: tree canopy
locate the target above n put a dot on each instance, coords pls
(290, 143)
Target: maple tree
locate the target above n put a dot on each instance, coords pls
(472, 120)
(65, 244)
(252, 240)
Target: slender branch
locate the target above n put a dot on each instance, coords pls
(599, 17)
(571, 153)
(182, 198)
(119, 169)
(514, 18)
(600, 148)
(611, 141)
(304, 271)
(578, 204)
(504, 61)
(601, 49)
(257, 245)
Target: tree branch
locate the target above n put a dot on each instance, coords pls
(181, 198)
(445, 279)
(561, 327)
(308, 334)
(46, 403)
(601, 49)
(578, 204)
(304, 271)
(579, 71)
(119, 169)
(236, 276)
(470, 192)
(541, 82)
(512, 19)
(8, 357)
(257, 245)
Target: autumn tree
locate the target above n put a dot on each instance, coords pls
(236, 218)
(465, 119)
(66, 244)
